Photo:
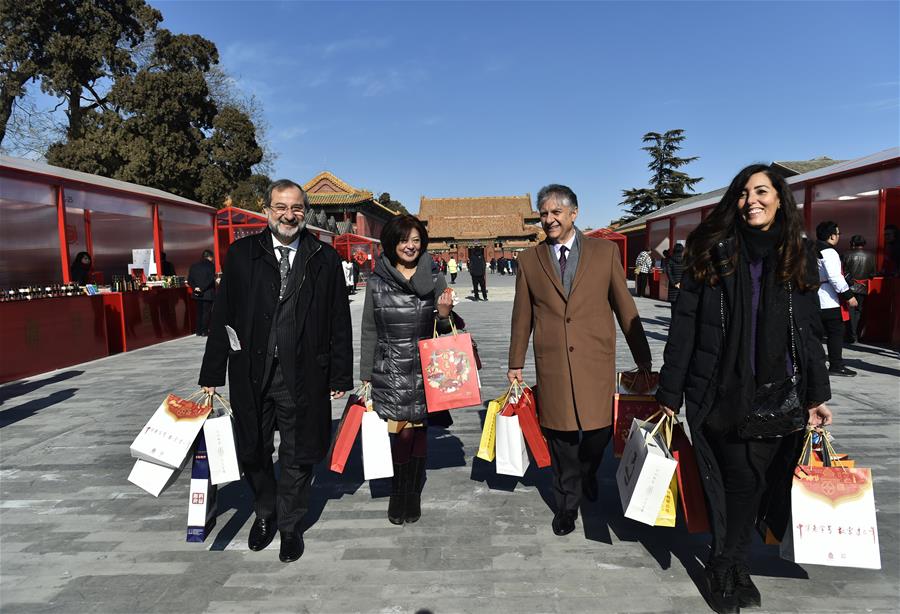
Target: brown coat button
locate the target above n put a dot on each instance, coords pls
(571, 348)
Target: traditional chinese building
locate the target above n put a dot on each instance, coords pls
(503, 225)
(340, 208)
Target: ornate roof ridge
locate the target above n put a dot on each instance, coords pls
(336, 181)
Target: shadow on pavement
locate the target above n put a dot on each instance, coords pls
(29, 408)
(861, 365)
(17, 389)
(236, 496)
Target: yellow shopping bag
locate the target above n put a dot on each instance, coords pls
(486, 449)
(666, 517)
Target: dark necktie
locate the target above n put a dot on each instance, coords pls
(284, 267)
(562, 261)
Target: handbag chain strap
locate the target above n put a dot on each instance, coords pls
(790, 288)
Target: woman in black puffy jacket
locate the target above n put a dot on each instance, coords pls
(403, 298)
(747, 315)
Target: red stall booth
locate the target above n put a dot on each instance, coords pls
(610, 235)
(48, 215)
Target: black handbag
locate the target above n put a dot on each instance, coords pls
(776, 409)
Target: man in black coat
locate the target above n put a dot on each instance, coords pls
(202, 280)
(477, 269)
(281, 327)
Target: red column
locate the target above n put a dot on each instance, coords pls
(88, 237)
(61, 229)
(157, 241)
(216, 242)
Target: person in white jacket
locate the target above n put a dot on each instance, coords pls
(832, 291)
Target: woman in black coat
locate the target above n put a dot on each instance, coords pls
(748, 269)
(80, 271)
(403, 297)
(674, 273)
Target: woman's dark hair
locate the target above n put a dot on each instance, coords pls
(857, 241)
(722, 223)
(79, 256)
(398, 229)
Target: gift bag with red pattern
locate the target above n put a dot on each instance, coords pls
(627, 408)
(450, 371)
(833, 518)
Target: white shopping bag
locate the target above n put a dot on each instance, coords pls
(166, 439)
(221, 451)
(511, 453)
(376, 447)
(645, 472)
(152, 477)
(832, 518)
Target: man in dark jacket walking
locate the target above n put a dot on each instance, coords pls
(281, 328)
(202, 280)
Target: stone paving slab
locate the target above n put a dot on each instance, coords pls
(75, 536)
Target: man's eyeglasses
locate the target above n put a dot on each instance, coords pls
(282, 209)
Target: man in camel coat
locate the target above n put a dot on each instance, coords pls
(567, 289)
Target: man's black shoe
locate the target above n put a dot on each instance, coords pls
(291, 547)
(720, 589)
(589, 489)
(261, 533)
(747, 594)
(842, 370)
(564, 522)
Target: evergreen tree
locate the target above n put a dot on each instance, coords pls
(162, 128)
(74, 47)
(669, 184)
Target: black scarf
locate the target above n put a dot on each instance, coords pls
(738, 377)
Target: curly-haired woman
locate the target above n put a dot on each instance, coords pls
(747, 316)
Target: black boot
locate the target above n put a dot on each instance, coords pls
(398, 493)
(414, 489)
(721, 590)
(747, 594)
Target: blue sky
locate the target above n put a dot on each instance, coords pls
(471, 99)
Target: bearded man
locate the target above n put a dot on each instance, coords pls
(281, 329)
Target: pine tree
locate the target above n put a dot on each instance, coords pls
(669, 184)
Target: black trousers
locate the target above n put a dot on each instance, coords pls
(743, 464)
(641, 283)
(855, 313)
(478, 280)
(204, 309)
(575, 456)
(453, 277)
(286, 499)
(833, 325)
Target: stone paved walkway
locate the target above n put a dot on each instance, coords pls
(76, 537)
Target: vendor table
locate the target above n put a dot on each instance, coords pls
(143, 317)
(50, 333)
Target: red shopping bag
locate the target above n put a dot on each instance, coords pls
(347, 430)
(627, 407)
(450, 371)
(525, 408)
(690, 487)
